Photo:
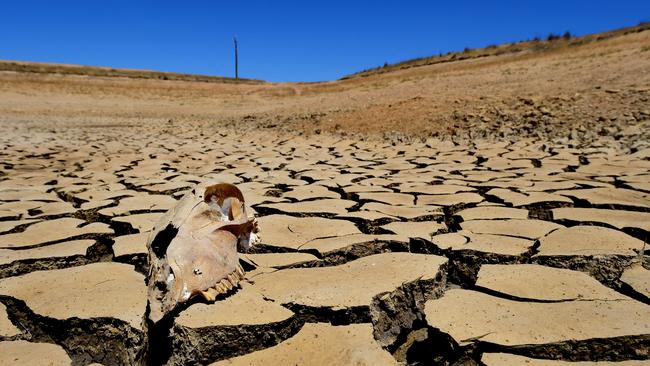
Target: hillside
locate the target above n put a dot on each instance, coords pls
(96, 71)
(551, 42)
(596, 84)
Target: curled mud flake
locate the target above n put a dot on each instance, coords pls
(193, 248)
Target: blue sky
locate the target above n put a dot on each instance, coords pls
(285, 40)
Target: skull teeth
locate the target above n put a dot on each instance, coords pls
(221, 287)
(240, 271)
(228, 284)
(210, 294)
(225, 285)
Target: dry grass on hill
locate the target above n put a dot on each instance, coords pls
(598, 84)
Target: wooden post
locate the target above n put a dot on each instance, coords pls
(236, 61)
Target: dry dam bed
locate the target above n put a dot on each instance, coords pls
(489, 253)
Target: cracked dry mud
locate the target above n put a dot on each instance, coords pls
(371, 253)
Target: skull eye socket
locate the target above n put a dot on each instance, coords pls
(162, 240)
(162, 286)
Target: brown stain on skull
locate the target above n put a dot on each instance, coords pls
(221, 191)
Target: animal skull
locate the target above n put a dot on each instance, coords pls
(193, 248)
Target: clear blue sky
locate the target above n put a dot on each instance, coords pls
(285, 40)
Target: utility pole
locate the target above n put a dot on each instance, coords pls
(236, 61)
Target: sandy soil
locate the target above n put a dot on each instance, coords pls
(488, 211)
(598, 87)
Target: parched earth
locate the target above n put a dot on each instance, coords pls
(433, 252)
